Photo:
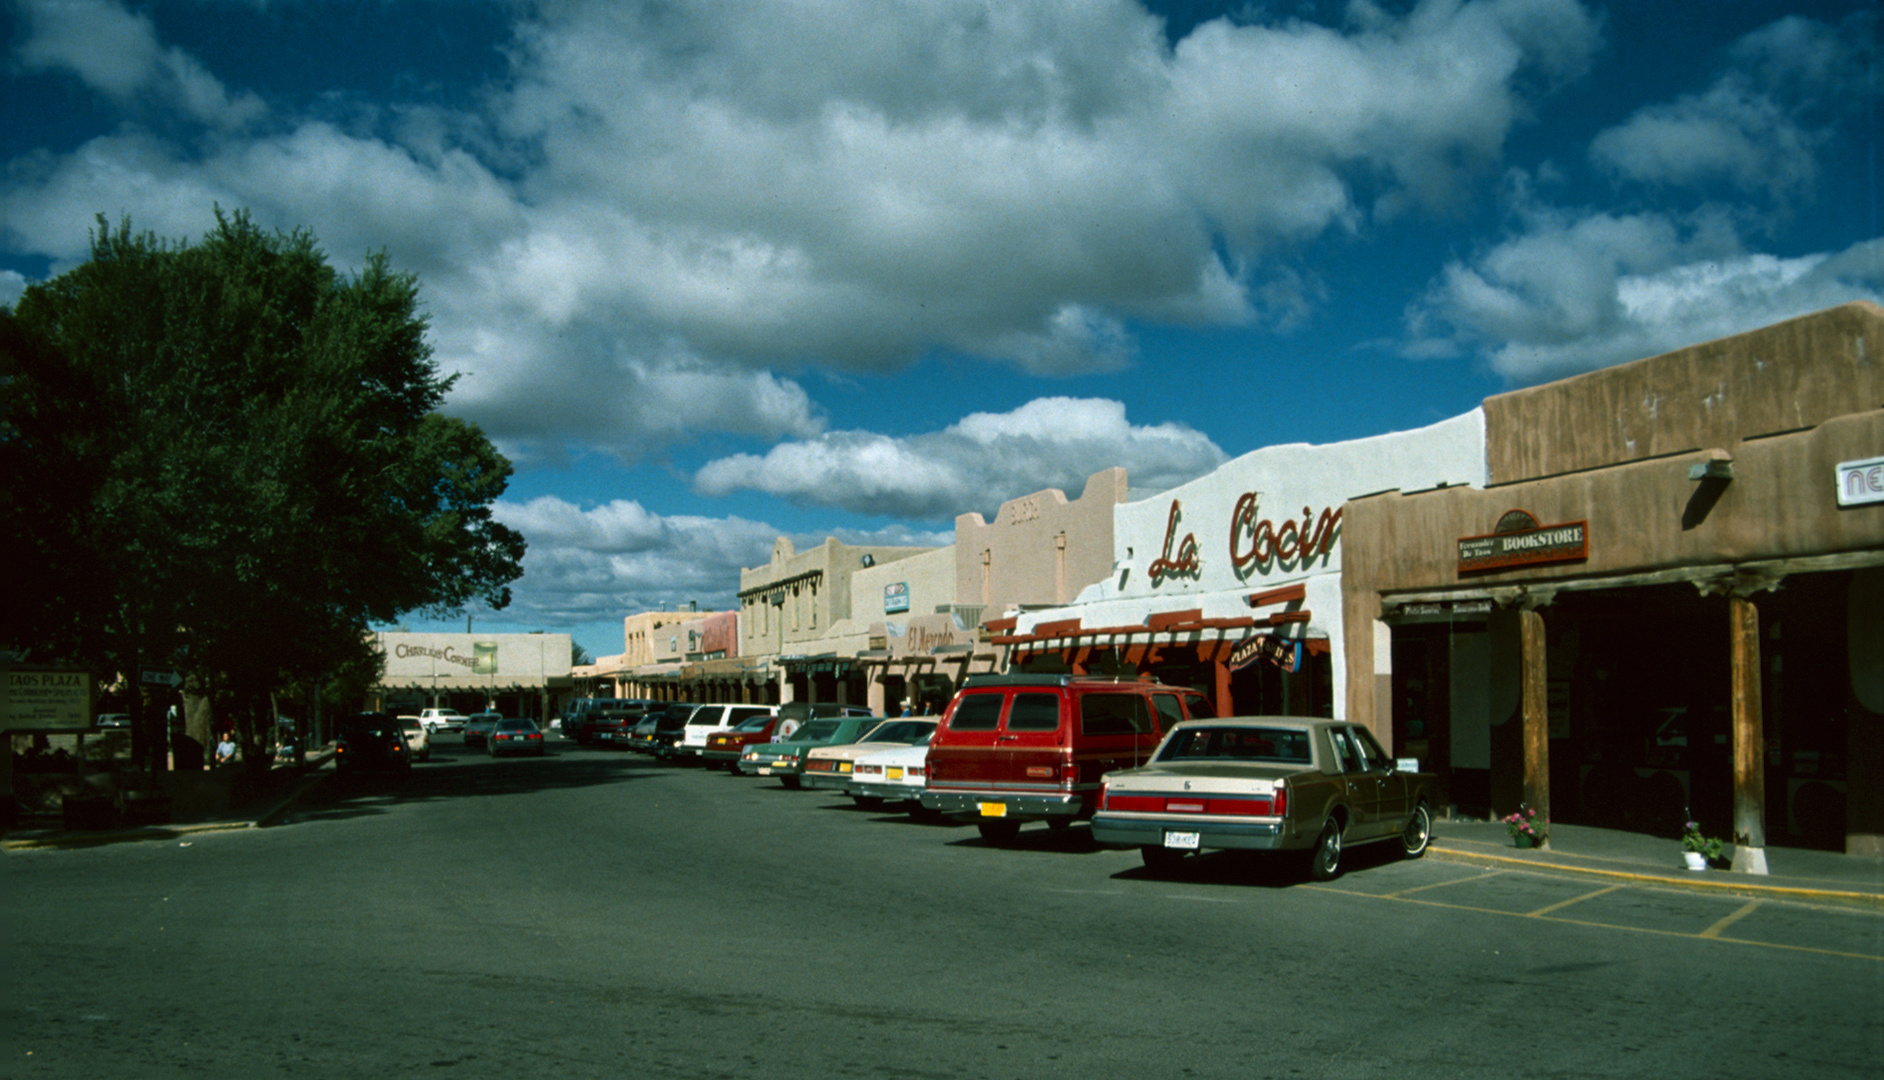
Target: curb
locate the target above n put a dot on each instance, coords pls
(1743, 884)
(273, 815)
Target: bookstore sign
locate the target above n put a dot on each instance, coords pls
(1519, 540)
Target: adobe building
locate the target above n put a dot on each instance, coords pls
(788, 609)
(1232, 583)
(1667, 601)
(515, 674)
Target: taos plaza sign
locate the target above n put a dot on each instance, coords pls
(47, 701)
(1519, 540)
(1861, 483)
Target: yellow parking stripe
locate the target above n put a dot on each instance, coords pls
(1559, 906)
(1439, 885)
(1714, 931)
(1598, 925)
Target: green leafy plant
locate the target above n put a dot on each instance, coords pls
(1525, 826)
(1693, 839)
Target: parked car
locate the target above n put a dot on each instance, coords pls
(710, 718)
(514, 736)
(418, 739)
(576, 716)
(1018, 748)
(829, 767)
(786, 760)
(446, 720)
(660, 737)
(1266, 784)
(477, 728)
(610, 727)
(371, 742)
(724, 747)
(893, 777)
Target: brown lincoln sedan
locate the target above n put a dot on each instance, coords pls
(1267, 783)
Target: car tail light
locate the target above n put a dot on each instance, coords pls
(913, 770)
(1245, 807)
(1281, 799)
(1144, 804)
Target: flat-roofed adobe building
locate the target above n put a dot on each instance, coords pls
(1231, 583)
(789, 606)
(1667, 602)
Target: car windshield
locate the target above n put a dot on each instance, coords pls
(515, 725)
(1283, 746)
(903, 731)
(757, 723)
(816, 731)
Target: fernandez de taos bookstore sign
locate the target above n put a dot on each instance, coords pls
(1519, 540)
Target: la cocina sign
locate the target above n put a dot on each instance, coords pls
(1258, 544)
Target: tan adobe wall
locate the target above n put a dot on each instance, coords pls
(1644, 517)
(1040, 548)
(1790, 375)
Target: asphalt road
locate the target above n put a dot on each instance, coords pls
(593, 914)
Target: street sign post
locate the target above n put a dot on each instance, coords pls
(151, 676)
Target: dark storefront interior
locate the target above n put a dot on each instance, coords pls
(1638, 696)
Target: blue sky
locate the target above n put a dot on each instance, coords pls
(712, 272)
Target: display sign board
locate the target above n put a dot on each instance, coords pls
(896, 598)
(1533, 546)
(1861, 483)
(48, 701)
(1282, 652)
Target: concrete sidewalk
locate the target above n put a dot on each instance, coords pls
(295, 782)
(1797, 873)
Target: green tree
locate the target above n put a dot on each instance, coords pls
(226, 457)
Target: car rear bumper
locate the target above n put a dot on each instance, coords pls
(825, 781)
(887, 792)
(1014, 805)
(1127, 831)
(784, 767)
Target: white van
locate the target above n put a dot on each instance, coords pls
(708, 719)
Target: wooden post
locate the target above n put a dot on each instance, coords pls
(1225, 706)
(1743, 629)
(1533, 680)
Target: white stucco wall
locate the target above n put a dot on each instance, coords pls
(1282, 480)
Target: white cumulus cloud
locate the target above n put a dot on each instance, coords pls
(663, 214)
(974, 464)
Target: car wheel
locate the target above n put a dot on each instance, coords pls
(999, 832)
(1325, 863)
(1418, 832)
(1059, 824)
(1161, 860)
(926, 816)
(791, 782)
(867, 802)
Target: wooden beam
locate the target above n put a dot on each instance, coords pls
(1166, 620)
(1743, 629)
(1288, 594)
(1533, 675)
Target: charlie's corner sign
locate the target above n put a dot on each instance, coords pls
(1518, 540)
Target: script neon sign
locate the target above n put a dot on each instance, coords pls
(1184, 562)
(1287, 542)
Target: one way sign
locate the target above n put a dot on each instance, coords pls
(152, 676)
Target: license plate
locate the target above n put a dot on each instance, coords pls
(1188, 841)
(844, 767)
(994, 809)
(894, 773)
(765, 770)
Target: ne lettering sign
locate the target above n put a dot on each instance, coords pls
(1568, 542)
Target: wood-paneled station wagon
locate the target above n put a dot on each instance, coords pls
(1271, 783)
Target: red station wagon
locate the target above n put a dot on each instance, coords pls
(1018, 748)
